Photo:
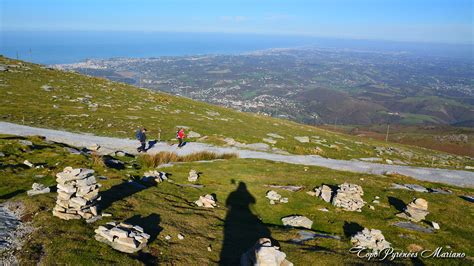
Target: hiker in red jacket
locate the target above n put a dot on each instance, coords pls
(180, 136)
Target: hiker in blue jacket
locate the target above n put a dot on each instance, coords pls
(141, 136)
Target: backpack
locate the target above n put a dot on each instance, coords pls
(177, 134)
(138, 134)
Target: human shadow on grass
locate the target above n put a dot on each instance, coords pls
(151, 226)
(242, 228)
(12, 194)
(397, 203)
(120, 192)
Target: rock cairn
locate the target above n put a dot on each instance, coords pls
(37, 189)
(297, 221)
(324, 192)
(370, 239)
(349, 197)
(158, 177)
(274, 197)
(122, 236)
(264, 254)
(193, 176)
(206, 201)
(416, 210)
(78, 194)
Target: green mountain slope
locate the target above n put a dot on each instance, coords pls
(34, 95)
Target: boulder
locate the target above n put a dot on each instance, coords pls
(263, 253)
(297, 221)
(304, 139)
(371, 239)
(274, 197)
(206, 201)
(37, 189)
(122, 237)
(193, 176)
(157, 176)
(324, 192)
(416, 210)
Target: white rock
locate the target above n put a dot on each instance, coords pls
(297, 221)
(180, 236)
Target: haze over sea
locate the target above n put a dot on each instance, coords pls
(57, 47)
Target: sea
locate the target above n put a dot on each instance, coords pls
(60, 47)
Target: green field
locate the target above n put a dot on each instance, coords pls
(243, 214)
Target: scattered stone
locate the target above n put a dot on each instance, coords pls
(308, 235)
(349, 197)
(376, 201)
(389, 161)
(193, 176)
(323, 210)
(297, 221)
(440, 191)
(263, 253)
(371, 239)
(416, 210)
(122, 237)
(274, 197)
(46, 88)
(468, 167)
(72, 150)
(371, 207)
(168, 237)
(192, 134)
(180, 236)
(207, 201)
(269, 140)
(275, 136)
(413, 227)
(28, 163)
(435, 225)
(324, 192)
(2, 154)
(78, 194)
(467, 198)
(38, 189)
(209, 248)
(289, 188)
(304, 139)
(157, 176)
(25, 142)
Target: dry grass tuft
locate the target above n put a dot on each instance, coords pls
(97, 160)
(154, 160)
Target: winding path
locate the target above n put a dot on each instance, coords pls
(453, 177)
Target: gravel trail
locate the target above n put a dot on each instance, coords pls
(452, 177)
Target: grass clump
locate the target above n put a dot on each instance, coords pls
(154, 160)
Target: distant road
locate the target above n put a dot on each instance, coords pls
(452, 177)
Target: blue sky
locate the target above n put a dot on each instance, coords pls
(447, 21)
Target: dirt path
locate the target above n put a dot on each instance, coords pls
(453, 177)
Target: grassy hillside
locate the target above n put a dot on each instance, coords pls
(33, 95)
(167, 209)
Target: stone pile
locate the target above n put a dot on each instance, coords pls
(416, 210)
(324, 192)
(297, 221)
(370, 239)
(349, 197)
(157, 176)
(37, 189)
(264, 254)
(193, 176)
(274, 197)
(122, 236)
(206, 201)
(78, 194)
